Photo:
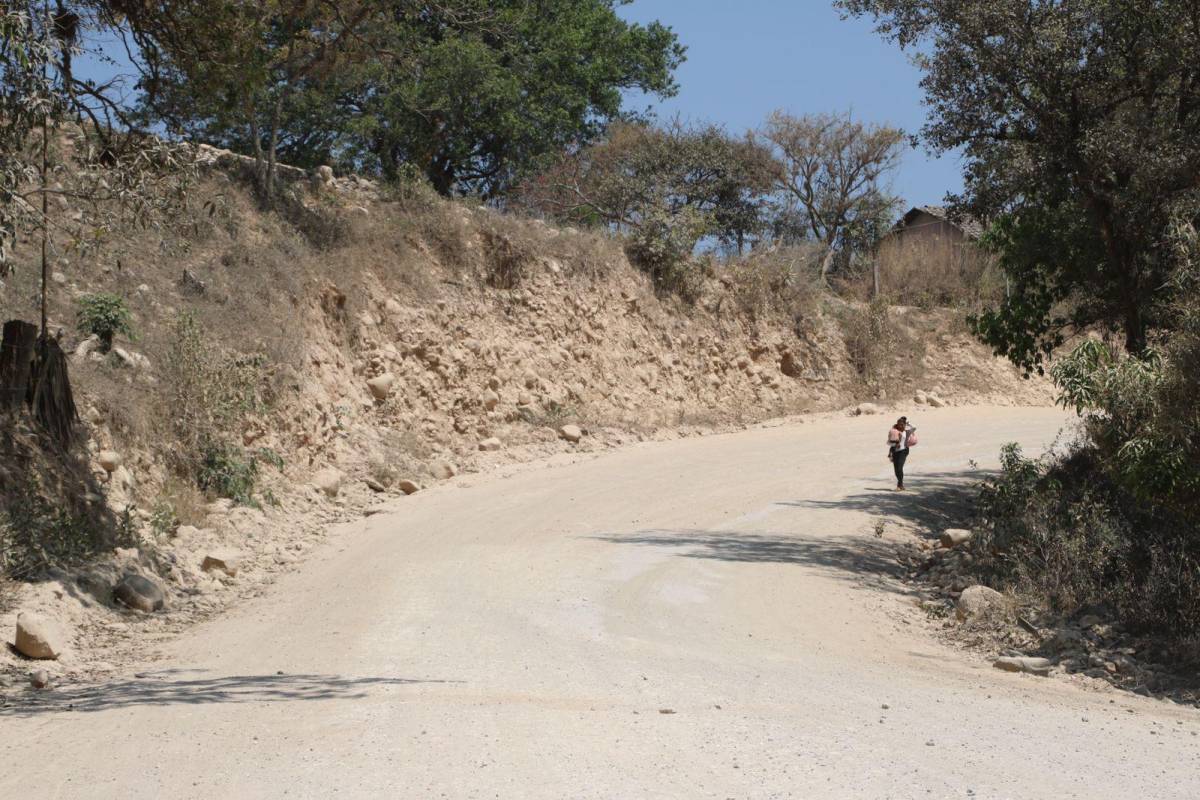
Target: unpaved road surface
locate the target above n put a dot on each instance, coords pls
(702, 618)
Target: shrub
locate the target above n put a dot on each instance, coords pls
(551, 415)
(1114, 521)
(662, 247)
(105, 316)
(163, 520)
(36, 532)
(507, 257)
(1062, 532)
(870, 339)
(783, 280)
(1046, 532)
(212, 390)
(229, 471)
(224, 471)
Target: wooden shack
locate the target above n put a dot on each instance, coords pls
(927, 249)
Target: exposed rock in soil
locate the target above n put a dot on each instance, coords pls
(38, 637)
(139, 593)
(980, 602)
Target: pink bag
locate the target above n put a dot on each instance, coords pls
(912, 439)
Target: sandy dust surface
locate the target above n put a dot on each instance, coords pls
(708, 617)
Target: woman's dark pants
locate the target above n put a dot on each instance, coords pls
(898, 458)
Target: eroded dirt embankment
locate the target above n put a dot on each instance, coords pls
(391, 344)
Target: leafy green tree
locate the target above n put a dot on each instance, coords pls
(1143, 411)
(215, 66)
(470, 92)
(1080, 118)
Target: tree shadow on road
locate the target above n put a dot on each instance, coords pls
(849, 558)
(934, 502)
(171, 687)
(938, 501)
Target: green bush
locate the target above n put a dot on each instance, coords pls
(1114, 521)
(105, 316)
(163, 520)
(663, 245)
(225, 470)
(1066, 534)
(1047, 531)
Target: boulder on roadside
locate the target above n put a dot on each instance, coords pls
(572, 433)
(381, 385)
(934, 401)
(980, 602)
(491, 445)
(407, 486)
(39, 679)
(38, 637)
(1028, 664)
(866, 409)
(953, 537)
(328, 481)
(139, 593)
(489, 400)
(227, 561)
(442, 469)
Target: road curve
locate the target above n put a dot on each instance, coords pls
(701, 618)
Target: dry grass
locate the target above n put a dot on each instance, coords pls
(937, 273)
(883, 351)
(769, 283)
(187, 503)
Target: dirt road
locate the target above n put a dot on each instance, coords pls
(702, 618)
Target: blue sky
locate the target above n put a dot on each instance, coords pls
(747, 58)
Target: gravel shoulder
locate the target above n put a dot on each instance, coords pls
(709, 617)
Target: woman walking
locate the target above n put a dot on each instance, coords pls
(901, 437)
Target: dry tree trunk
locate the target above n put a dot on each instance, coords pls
(50, 398)
(16, 363)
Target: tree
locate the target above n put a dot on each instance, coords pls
(1084, 113)
(831, 178)
(668, 187)
(64, 138)
(487, 105)
(471, 93)
(210, 66)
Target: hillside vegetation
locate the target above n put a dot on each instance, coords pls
(400, 336)
(1087, 168)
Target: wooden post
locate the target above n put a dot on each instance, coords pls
(16, 363)
(52, 401)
